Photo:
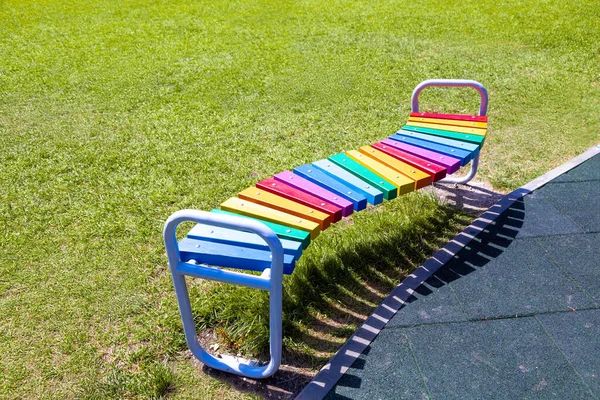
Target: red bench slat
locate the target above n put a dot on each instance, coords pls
(459, 117)
(436, 171)
(291, 193)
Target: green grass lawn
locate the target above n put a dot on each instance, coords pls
(113, 115)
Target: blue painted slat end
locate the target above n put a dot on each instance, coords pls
(224, 255)
(234, 237)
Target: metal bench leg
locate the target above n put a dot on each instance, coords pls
(270, 280)
(464, 179)
(482, 111)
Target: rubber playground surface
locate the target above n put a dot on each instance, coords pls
(513, 313)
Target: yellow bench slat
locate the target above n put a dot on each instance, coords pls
(404, 183)
(461, 129)
(421, 178)
(454, 122)
(250, 209)
(276, 202)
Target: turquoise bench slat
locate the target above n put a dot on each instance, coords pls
(243, 239)
(459, 144)
(282, 231)
(466, 137)
(320, 178)
(462, 155)
(342, 160)
(373, 195)
(228, 256)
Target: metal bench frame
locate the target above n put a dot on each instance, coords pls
(482, 112)
(271, 279)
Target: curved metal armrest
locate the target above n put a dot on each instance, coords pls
(482, 111)
(223, 221)
(451, 83)
(270, 280)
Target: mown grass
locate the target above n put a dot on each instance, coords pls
(114, 115)
(335, 269)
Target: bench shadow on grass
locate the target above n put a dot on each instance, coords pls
(375, 264)
(345, 300)
(488, 245)
(472, 198)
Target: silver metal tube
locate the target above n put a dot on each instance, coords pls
(482, 111)
(451, 83)
(272, 283)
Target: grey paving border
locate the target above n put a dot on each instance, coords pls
(329, 375)
(547, 177)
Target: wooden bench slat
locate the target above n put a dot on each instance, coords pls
(262, 197)
(462, 155)
(322, 179)
(450, 163)
(297, 195)
(282, 231)
(471, 131)
(307, 186)
(224, 255)
(403, 183)
(234, 237)
(452, 122)
(437, 172)
(466, 137)
(461, 117)
(248, 208)
(389, 190)
(421, 178)
(459, 144)
(372, 194)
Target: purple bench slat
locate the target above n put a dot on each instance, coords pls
(300, 183)
(451, 164)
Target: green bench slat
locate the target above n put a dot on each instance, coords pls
(282, 231)
(389, 191)
(477, 139)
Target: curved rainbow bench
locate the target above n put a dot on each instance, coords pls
(267, 226)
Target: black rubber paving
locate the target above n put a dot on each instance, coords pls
(516, 314)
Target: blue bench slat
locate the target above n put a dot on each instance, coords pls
(224, 255)
(462, 155)
(467, 137)
(320, 178)
(372, 194)
(438, 139)
(234, 237)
